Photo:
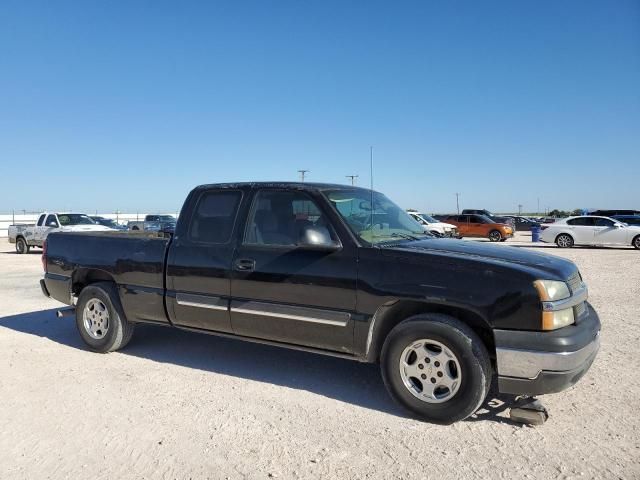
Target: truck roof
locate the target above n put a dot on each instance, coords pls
(288, 185)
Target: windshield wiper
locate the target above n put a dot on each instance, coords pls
(406, 236)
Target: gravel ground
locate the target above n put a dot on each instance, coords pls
(182, 405)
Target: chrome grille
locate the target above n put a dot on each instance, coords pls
(574, 282)
(580, 309)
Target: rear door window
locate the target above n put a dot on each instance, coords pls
(582, 222)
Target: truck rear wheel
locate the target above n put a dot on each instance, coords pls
(22, 246)
(436, 367)
(100, 319)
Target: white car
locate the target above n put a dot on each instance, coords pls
(433, 226)
(590, 230)
(35, 235)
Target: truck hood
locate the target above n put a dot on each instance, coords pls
(443, 225)
(85, 228)
(519, 258)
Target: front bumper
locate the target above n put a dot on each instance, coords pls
(535, 363)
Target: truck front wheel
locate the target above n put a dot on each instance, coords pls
(495, 236)
(436, 367)
(100, 320)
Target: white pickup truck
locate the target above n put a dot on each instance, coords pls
(27, 236)
(433, 226)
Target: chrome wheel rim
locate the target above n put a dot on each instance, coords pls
(95, 318)
(564, 241)
(20, 246)
(494, 236)
(636, 243)
(430, 371)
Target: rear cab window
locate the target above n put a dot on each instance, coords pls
(215, 216)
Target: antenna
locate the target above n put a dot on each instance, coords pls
(371, 190)
(302, 174)
(353, 178)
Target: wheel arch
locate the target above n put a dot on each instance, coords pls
(83, 277)
(563, 232)
(391, 314)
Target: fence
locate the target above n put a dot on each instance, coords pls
(32, 218)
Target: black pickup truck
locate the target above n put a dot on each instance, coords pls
(341, 271)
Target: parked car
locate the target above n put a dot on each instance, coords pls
(35, 235)
(341, 271)
(612, 213)
(154, 223)
(108, 222)
(590, 230)
(433, 226)
(628, 219)
(496, 218)
(481, 226)
(523, 224)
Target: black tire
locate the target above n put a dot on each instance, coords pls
(636, 242)
(118, 330)
(22, 246)
(135, 228)
(463, 342)
(503, 239)
(564, 240)
(494, 236)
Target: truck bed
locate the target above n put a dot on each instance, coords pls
(133, 260)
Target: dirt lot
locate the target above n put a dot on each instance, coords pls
(181, 405)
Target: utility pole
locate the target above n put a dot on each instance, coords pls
(519, 209)
(458, 202)
(353, 178)
(302, 174)
(538, 211)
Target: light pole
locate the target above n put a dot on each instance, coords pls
(458, 202)
(353, 178)
(302, 174)
(519, 209)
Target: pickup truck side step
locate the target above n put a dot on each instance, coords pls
(273, 343)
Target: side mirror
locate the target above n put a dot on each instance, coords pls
(318, 238)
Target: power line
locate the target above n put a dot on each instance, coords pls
(353, 178)
(302, 174)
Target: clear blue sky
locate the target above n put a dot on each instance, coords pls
(127, 105)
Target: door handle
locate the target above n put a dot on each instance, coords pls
(245, 264)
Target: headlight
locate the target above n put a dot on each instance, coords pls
(557, 319)
(551, 290)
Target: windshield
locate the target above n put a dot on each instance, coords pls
(160, 218)
(74, 219)
(427, 218)
(383, 223)
(483, 219)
